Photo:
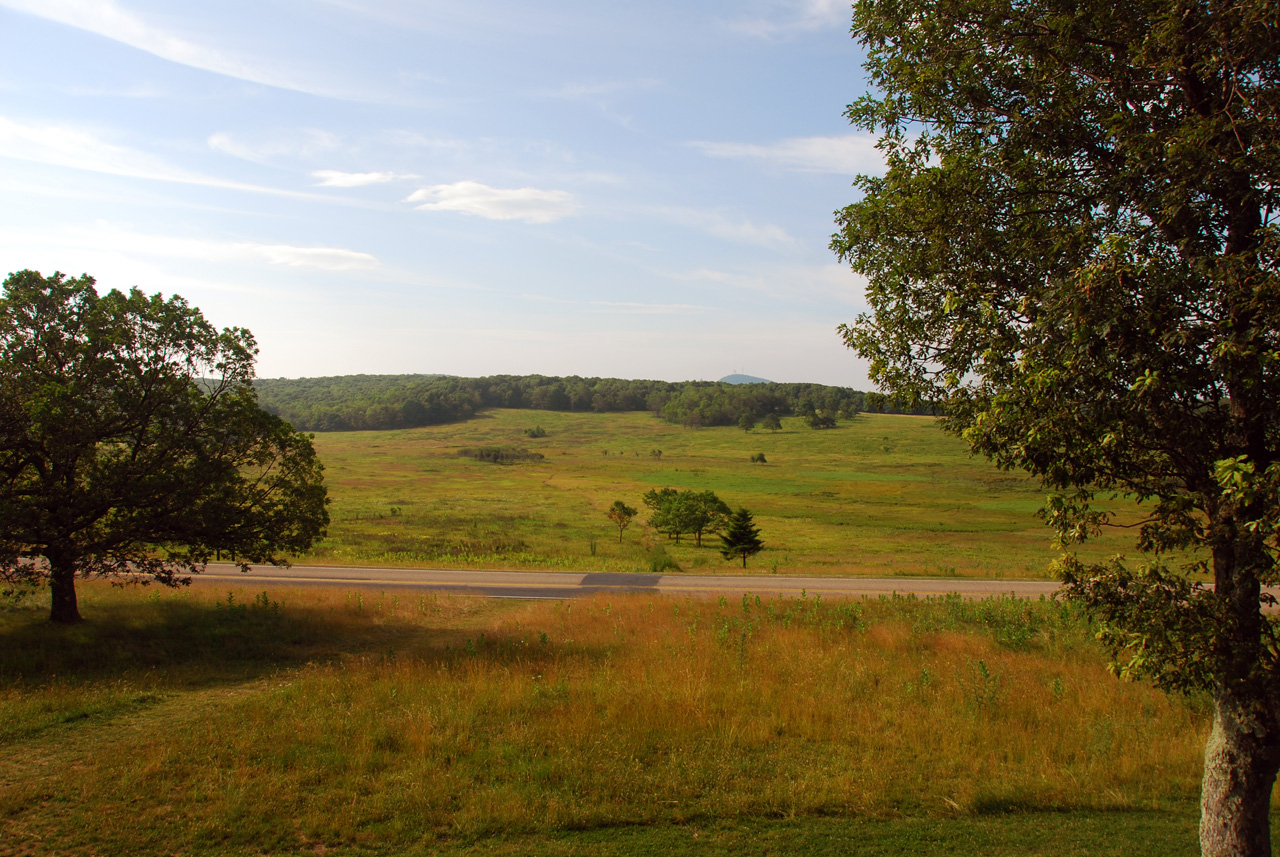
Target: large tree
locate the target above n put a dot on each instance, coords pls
(1073, 251)
(131, 443)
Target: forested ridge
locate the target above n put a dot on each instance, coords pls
(374, 402)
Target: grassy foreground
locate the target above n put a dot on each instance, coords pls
(881, 495)
(217, 721)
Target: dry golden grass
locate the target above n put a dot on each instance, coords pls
(358, 719)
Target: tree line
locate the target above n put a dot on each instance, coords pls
(379, 402)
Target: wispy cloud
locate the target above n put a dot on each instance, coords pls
(728, 227)
(788, 17)
(532, 205)
(334, 178)
(79, 148)
(103, 236)
(82, 149)
(110, 20)
(301, 143)
(849, 154)
(324, 258)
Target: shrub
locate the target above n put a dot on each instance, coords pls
(500, 454)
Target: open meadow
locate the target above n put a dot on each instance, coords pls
(325, 721)
(878, 495)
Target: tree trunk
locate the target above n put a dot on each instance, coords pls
(1240, 765)
(62, 587)
(1243, 753)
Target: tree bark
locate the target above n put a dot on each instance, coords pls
(1240, 765)
(62, 587)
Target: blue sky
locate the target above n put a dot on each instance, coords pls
(483, 187)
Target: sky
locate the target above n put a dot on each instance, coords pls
(571, 187)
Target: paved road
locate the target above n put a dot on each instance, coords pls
(553, 584)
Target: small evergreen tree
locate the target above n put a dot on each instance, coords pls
(741, 537)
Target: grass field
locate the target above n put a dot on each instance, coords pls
(217, 721)
(881, 495)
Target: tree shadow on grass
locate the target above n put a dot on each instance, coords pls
(188, 643)
(178, 641)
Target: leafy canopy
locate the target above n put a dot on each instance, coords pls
(621, 514)
(1073, 249)
(678, 512)
(131, 442)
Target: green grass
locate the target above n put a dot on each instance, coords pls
(882, 495)
(215, 721)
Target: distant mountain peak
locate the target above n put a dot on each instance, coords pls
(744, 379)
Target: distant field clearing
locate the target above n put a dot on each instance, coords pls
(881, 496)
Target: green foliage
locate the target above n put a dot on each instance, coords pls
(1103, 309)
(741, 537)
(678, 512)
(377, 402)
(821, 421)
(621, 514)
(1074, 251)
(771, 422)
(758, 458)
(535, 432)
(747, 421)
(131, 442)
(500, 454)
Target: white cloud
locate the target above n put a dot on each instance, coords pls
(721, 225)
(107, 237)
(69, 146)
(81, 149)
(108, 19)
(304, 143)
(324, 258)
(794, 16)
(287, 255)
(334, 178)
(531, 205)
(849, 154)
